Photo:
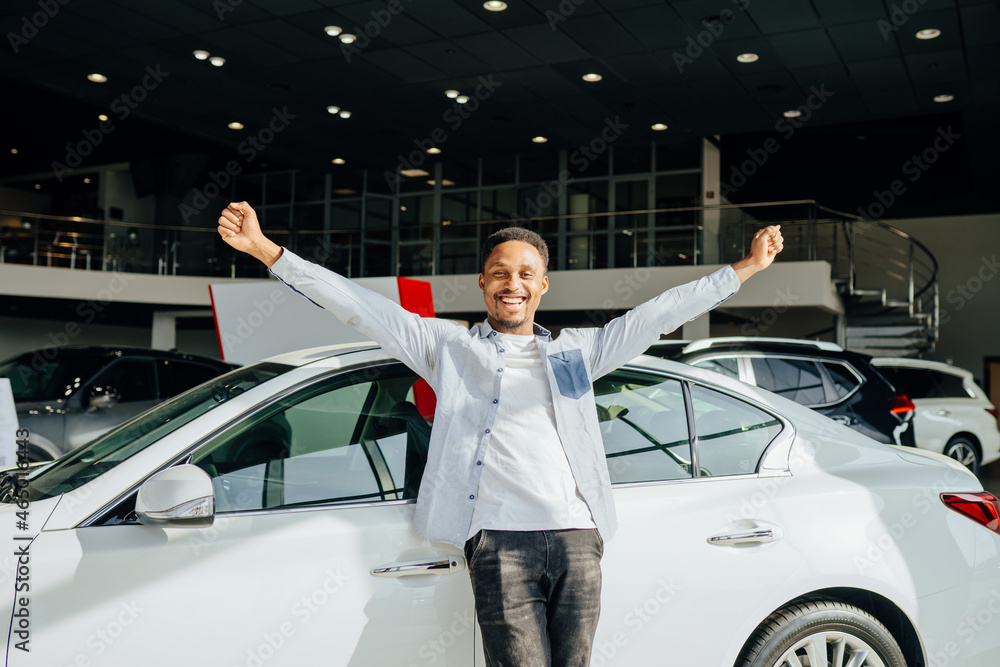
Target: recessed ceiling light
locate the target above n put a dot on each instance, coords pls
(332, 109)
(748, 57)
(944, 98)
(332, 30)
(13, 151)
(86, 180)
(97, 78)
(345, 114)
(792, 113)
(201, 54)
(591, 78)
(445, 182)
(338, 160)
(452, 94)
(347, 38)
(414, 173)
(38, 186)
(928, 33)
(462, 99)
(102, 117)
(217, 61)
(236, 125)
(446, 222)
(495, 6)
(402, 208)
(433, 150)
(659, 127)
(539, 140)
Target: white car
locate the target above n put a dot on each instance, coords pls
(953, 416)
(265, 519)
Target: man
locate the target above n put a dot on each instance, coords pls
(516, 471)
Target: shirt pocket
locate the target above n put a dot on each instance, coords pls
(570, 372)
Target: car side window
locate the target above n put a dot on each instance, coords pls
(644, 426)
(175, 377)
(843, 381)
(131, 379)
(359, 438)
(797, 379)
(732, 434)
(952, 386)
(727, 366)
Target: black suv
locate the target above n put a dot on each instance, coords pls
(67, 396)
(840, 384)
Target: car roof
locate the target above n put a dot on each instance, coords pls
(926, 364)
(722, 341)
(101, 351)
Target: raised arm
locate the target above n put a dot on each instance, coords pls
(240, 228)
(766, 244)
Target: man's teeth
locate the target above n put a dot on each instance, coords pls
(512, 299)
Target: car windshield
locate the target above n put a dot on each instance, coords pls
(33, 377)
(97, 457)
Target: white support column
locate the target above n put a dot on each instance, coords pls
(164, 335)
(711, 166)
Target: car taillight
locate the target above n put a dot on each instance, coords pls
(992, 411)
(902, 404)
(983, 508)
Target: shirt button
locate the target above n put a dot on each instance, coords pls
(495, 400)
(479, 463)
(493, 333)
(487, 430)
(472, 497)
(499, 370)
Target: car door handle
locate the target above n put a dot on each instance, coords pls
(442, 566)
(759, 535)
(841, 419)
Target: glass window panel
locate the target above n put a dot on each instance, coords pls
(416, 259)
(587, 197)
(843, 380)
(577, 252)
(797, 379)
(463, 173)
(345, 215)
(378, 212)
(588, 164)
(459, 257)
(632, 159)
(250, 189)
(174, 377)
(732, 434)
(538, 167)
(308, 216)
(309, 186)
(498, 170)
(345, 184)
(670, 247)
(728, 366)
(337, 443)
(677, 191)
(644, 426)
(499, 204)
(379, 259)
(279, 188)
(131, 379)
(680, 154)
(276, 217)
(383, 181)
(416, 217)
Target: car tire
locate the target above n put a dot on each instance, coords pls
(964, 450)
(821, 634)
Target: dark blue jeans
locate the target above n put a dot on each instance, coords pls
(538, 595)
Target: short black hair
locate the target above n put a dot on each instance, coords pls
(515, 234)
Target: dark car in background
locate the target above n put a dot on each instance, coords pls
(835, 382)
(67, 396)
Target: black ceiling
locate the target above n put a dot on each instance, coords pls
(864, 52)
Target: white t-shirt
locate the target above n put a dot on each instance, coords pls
(526, 483)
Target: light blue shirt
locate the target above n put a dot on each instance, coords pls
(466, 366)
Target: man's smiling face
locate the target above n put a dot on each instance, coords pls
(513, 282)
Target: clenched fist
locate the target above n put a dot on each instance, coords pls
(239, 227)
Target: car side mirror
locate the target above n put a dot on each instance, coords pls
(181, 496)
(105, 400)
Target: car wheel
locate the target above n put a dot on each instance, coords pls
(963, 450)
(822, 634)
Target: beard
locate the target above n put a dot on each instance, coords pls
(510, 324)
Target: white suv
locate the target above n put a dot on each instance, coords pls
(954, 416)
